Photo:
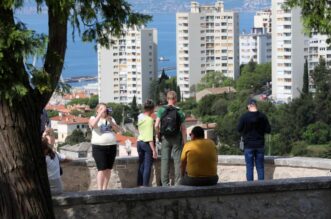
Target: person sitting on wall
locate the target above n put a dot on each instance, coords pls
(199, 160)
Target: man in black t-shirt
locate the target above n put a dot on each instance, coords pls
(253, 125)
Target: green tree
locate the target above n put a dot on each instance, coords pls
(214, 79)
(315, 15)
(305, 87)
(188, 105)
(322, 79)
(317, 133)
(179, 95)
(154, 91)
(76, 137)
(255, 80)
(52, 113)
(93, 101)
(24, 184)
(134, 110)
(119, 111)
(163, 76)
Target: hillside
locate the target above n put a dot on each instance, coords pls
(171, 6)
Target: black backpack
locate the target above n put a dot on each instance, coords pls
(170, 122)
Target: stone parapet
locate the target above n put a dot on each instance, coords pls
(283, 198)
(80, 175)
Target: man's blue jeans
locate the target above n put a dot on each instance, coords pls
(254, 156)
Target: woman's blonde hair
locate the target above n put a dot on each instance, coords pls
(100, 104)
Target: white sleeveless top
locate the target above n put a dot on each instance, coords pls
(103, 133)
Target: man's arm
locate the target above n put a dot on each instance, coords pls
(183, 167)
(240, 126)
(157, 128)
(183, 160)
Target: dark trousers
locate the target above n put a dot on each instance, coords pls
(254, 156)
(145, 163)
(199, 181)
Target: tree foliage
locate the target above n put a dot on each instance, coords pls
(160, 87)
(92, 102)
(254, 77)
(214, 79)
(305, 87)
(25, 89)
(317, 133)
(76, 137)
(119, 111)
(322, 79)
(134, 110)
(316, 15)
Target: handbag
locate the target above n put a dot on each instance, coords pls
(241, 144)
(61, 170)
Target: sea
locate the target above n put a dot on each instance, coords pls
(81, 57)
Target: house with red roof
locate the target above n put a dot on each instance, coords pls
(64, 125)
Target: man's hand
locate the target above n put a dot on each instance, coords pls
(154, 154)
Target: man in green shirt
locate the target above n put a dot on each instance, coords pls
(170, 127)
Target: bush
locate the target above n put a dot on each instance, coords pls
(276, 145)
(317, 133)
(299, 148)
(76, 137)
(229, 150)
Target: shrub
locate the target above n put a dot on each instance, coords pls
(299, 148)
(229, 150)
(317, 133)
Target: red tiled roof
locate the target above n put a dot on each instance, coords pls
(60, 108)
(121, 139)
(70, 119)
(79, 95)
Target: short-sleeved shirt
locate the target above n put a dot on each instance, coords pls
(162, 109)
(201, 158)
(103, 134)
(53, 166)
(146, 128)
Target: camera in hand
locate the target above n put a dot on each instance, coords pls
(109, 110)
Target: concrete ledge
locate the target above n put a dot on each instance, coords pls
(305, 162)
(151, 193)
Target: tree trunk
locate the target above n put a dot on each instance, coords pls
(24, 186)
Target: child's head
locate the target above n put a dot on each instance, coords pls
(46, 149)
(50, 136)
(149, 106)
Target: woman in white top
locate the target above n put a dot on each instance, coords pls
(104, 144)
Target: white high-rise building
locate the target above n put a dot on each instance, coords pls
(255, 46)
(262, 19)
(207, 41)
(126, 69)
(318, 48)
(289, 48)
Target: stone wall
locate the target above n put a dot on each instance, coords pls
(284, 198)
(80, 175)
